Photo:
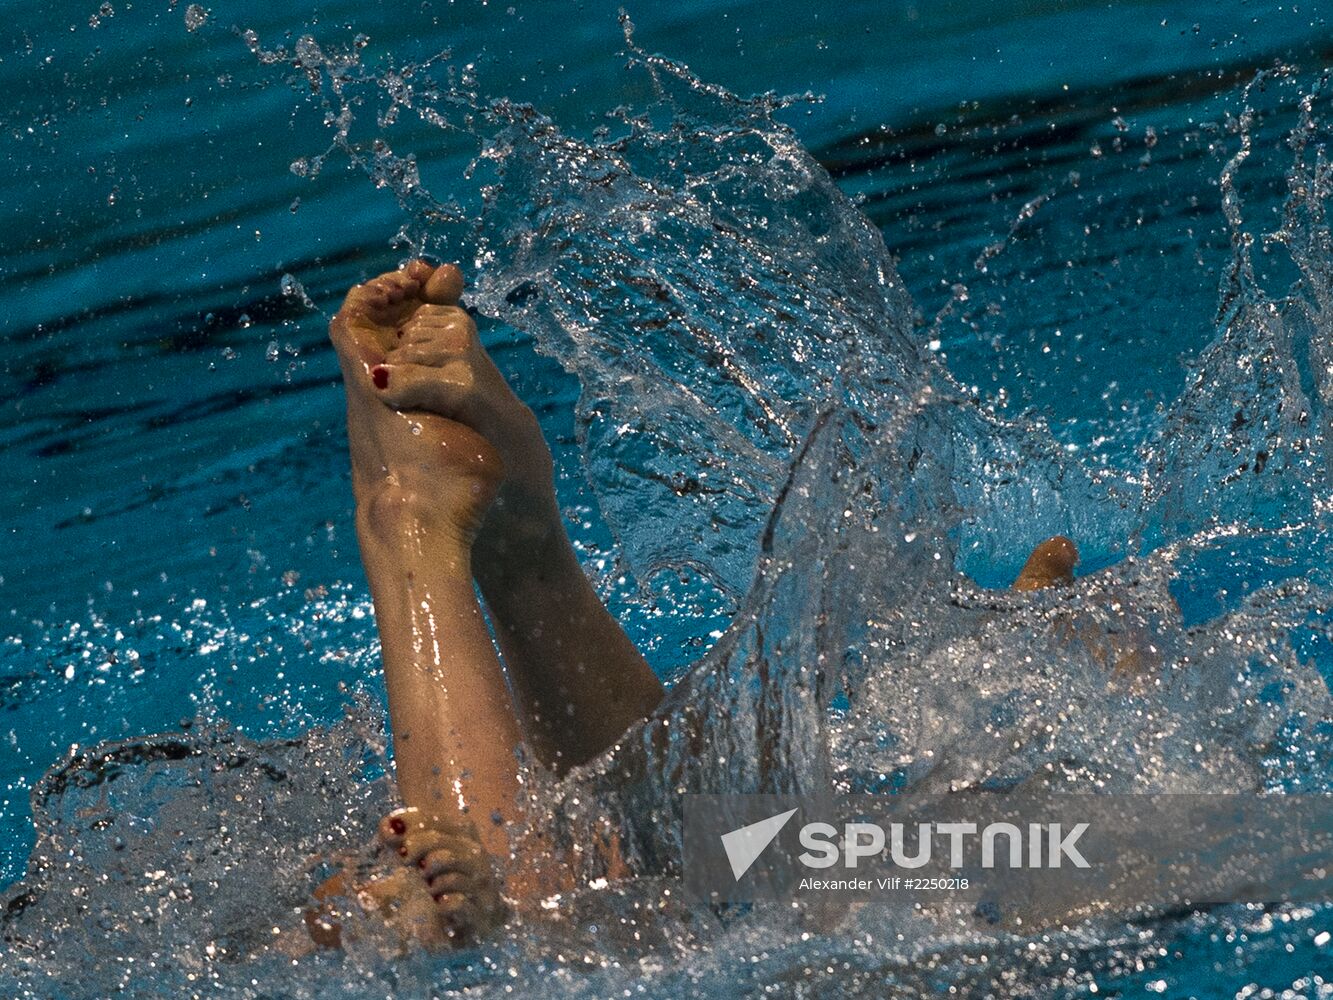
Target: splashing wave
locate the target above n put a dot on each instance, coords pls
(760, 417)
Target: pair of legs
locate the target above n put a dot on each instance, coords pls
(454, 493)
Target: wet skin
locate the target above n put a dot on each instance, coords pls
(453, 484)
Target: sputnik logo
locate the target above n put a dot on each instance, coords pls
(743, 846)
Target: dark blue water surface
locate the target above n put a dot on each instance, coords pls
(182, 218)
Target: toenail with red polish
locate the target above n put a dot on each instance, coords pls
(380, 376)
(397, 827)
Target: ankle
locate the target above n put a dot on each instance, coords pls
(392, 518)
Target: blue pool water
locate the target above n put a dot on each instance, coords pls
(1099, 307)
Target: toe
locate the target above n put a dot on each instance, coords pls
(444, 286)
(375, 295)
(445, 389)
(434, 337)
(420, 842)
(380, 294)
(361, 299)
(383, 302)
(394, 827)
(459, 916)
(441, 285)
(419, 269)
(448, 326)
(365, 314)
(468, 915)
(450, 881)
(427, 353)
(458, 855)
(433, 352)
(457, 905)
(399, 285)
(436, 862)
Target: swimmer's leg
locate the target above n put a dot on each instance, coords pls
(581, 682)
(578, 679)
(423, 484)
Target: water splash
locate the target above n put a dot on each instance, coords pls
(760, 416)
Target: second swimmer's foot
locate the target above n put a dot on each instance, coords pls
(440, 891)
(1051, 564)
(445, 864)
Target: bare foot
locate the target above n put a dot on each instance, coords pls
(441, 468)
(429, 359)
(1050, 565)
(443, 894)
(448, 894)
(1127, 652)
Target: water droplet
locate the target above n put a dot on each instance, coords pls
(308, 51)
(271, 352)
(195, 16)
(293, 289)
